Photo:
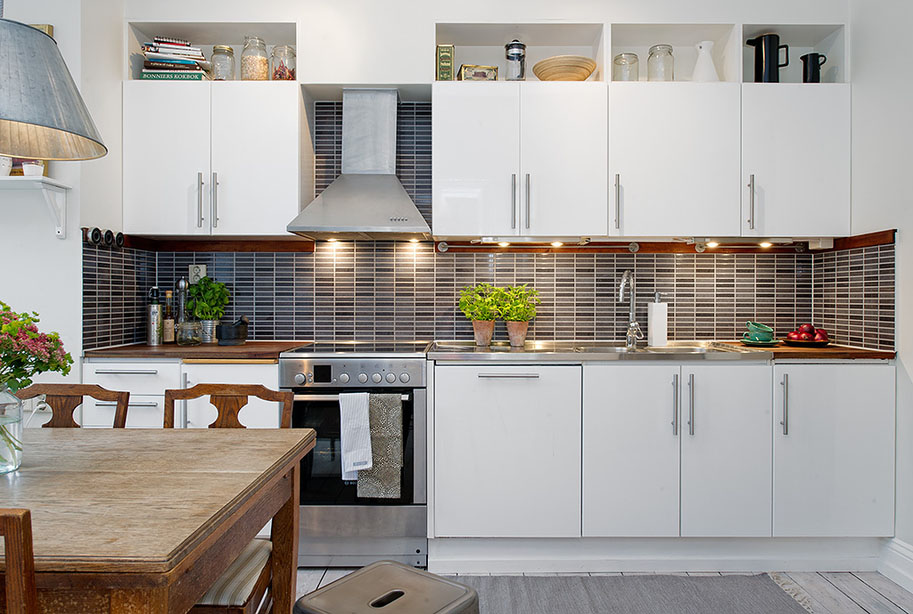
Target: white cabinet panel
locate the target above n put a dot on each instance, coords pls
(563, 153)
(726, 451)
(834, 457)
(256, 414)
(254, 157)
(674, 149)
(136, 377)
(507, 451)
(166, 155)
(144, 411)
(475, 158)
(631, 431)
(796, 149)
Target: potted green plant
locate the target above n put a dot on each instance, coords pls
(206, 301)
(517, 306)
(479, 304)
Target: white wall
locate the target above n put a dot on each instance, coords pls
(882, 137)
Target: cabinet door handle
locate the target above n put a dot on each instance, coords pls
(675, 404)
(691, 404)
(751, 192)
(137, 404)
(513, 200)
(185, 383)
(785, 420)
(617, 201)
(527, 201)
(508, 376)
(199, 200)
(215, 199)
(126, 371)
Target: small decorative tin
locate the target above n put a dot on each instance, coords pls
(474, 72)
(445, 62)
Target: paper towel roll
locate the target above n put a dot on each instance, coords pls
(657, 324)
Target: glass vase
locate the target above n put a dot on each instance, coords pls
(10, 431)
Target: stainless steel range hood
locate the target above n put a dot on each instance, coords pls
(367, 201)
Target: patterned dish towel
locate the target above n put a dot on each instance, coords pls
(384, 479)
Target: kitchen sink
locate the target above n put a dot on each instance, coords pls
(592, 351)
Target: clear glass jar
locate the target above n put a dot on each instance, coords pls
(661, 64)
(282, 63)
(223, 63)
(625, 67)
(189, 332)
(254, 60)
(10, 431)
(515, 52)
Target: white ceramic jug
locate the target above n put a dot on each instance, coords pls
(704, 70)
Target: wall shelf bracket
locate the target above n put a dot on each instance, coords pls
(53, 192)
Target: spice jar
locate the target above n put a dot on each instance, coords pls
(660, 64)
(625, 67)
(282, 63)
(254, 61)
(515, 52)
(223, 63)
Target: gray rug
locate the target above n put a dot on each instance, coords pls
(631, 595)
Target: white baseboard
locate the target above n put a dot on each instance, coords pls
(897, 563)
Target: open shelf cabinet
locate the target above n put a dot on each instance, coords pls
(638, 38)
(829, 40)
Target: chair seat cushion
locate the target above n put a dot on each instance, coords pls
(235, 586)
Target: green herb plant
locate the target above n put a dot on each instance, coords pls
(480, 302)
(207, 299)
(517, 303)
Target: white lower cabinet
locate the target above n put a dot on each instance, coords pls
(507, 451)
(145, 380)
(144, 411)
(834, 450)
(256, 414)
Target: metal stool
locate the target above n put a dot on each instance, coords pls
(390, 588)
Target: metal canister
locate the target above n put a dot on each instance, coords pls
(515, 52)
(155, 320)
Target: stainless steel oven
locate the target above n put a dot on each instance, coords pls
(339, 528)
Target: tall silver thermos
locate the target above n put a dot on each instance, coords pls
(155, 321)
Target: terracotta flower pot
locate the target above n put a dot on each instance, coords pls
(483, 330)
(517, 333)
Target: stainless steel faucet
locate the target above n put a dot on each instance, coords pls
(634, 333)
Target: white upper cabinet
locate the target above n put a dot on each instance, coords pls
(519, 159)
(834, 451)
(674, 159)
(796, 159)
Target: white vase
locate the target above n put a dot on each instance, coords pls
(704, 70)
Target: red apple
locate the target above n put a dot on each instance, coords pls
(792, 336)
(821, 335)
(805, 337)
(807, 328)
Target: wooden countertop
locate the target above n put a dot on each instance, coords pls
(252, 350)
(831, 352)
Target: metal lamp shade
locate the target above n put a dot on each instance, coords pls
(42, 114)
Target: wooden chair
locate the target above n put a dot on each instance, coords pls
(244, 587)
(63, 399)
(19, 583)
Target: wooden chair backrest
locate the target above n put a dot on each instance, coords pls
(228, 399)
(63, 399)
(21, 592)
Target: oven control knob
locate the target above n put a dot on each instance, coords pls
(301, 379)
(362, 378)
(404, 378)
(391, 378)
(343, 378)
(376, 378)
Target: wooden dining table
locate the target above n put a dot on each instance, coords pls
(145, 520)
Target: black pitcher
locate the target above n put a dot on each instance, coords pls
(767, 57)
(811, 67)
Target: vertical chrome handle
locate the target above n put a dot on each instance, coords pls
(527, 201)
(199, 200)
(751, 202)
(675, 404)
(215, 199)
(691, 404)
(785, 421)
(618, 201)
(184, 418)
(513, 200)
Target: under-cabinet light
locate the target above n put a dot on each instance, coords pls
(557, 243)
(765, 244)
(503, 244)
(712, 244)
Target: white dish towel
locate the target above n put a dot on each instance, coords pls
(354, 433)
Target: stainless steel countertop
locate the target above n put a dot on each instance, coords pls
(591, 351)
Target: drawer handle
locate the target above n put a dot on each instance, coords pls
(114, 404)
(126, 372)
(508, 376)
(785, 421)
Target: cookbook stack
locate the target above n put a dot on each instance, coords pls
(173, 59)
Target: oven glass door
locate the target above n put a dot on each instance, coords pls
(321, 470)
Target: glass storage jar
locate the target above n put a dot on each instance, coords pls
(282, 63)
(254, 60)
(661, 64)
(515, 52)
(223, 63)
(625, 67)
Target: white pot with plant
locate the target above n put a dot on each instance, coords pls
(517, 306)
(478, 303)
(206, 301)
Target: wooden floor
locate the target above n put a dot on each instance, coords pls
(821, 593)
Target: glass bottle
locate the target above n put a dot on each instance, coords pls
(625, 67)
(168, 320)
(661, 64)
(223, 63)
(282, 63)
(254, 60)
(515, 52)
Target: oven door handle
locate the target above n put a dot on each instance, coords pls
(334, 397)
